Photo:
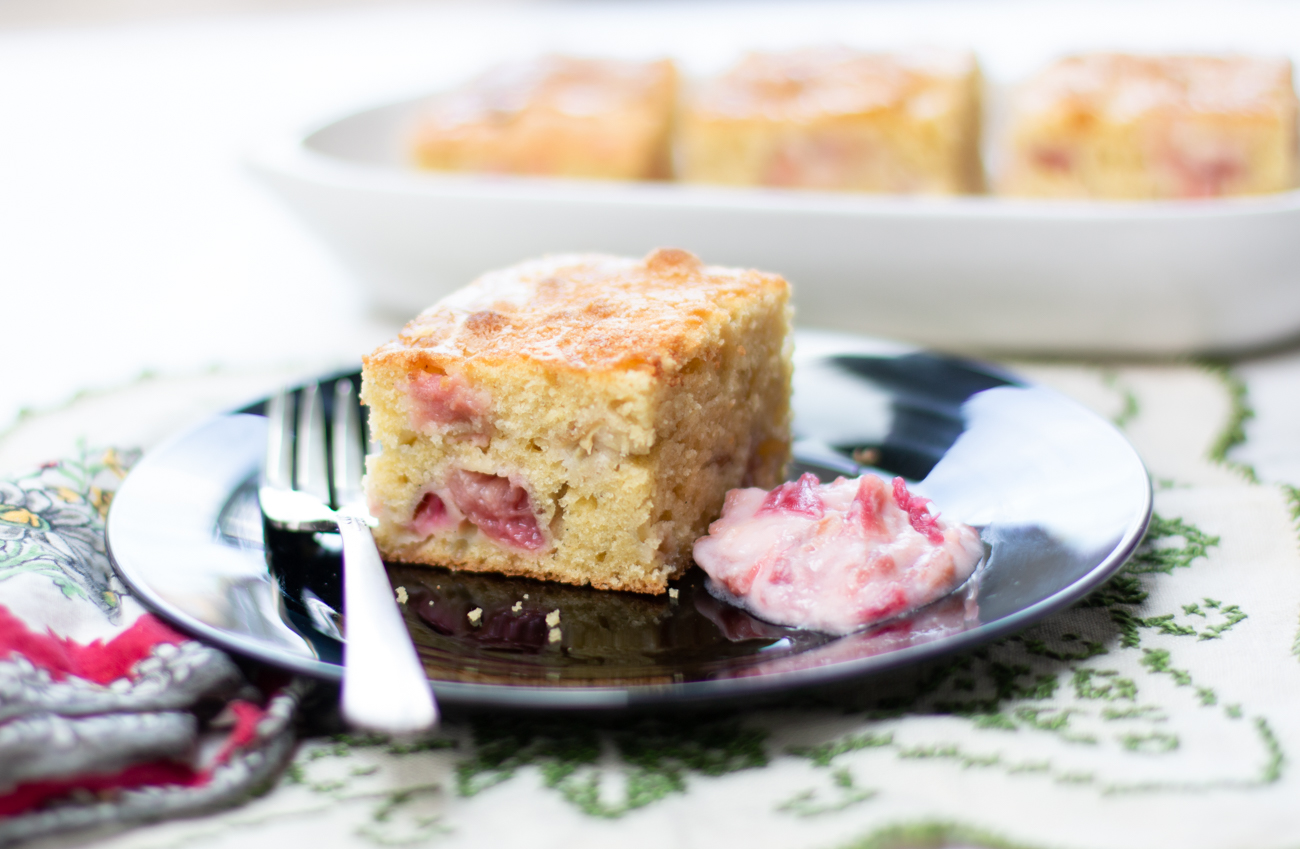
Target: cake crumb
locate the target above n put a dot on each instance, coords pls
(554, 636)
(402, 597)
(866, 456)
(525, 596)
(553, 619)
(475, 615)
(673, 593)
(518, 606)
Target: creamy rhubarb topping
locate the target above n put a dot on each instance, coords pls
(835, 557)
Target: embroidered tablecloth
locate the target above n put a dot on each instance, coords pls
(1161, 711)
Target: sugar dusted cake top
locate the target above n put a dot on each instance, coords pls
(809, 83)
(558, 116)
(1121, 87)
(565, 85)
(588, 311)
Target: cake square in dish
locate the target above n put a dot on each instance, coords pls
(557, 116)
(578, 418)
(1109, 125)
(835, 118)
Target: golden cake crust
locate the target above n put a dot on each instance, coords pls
(814, 83)
(1121, 87)
(558, 116)
(837, 118)
(585, 312)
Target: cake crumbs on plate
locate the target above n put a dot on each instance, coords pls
(516, 607)
(475, 615)
(553, 618)
(402, 597)
(673, 593)
(554, 635)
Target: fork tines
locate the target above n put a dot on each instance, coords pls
(308, 465)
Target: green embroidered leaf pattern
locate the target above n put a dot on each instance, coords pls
(823, 755)
(846, 795)
(1234, 432)
(1157, 556)
(656, 757)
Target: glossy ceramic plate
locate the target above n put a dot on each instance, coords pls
(1060, 498)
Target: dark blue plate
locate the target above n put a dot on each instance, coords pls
(1060, 497)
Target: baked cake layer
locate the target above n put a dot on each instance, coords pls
(835, 118)
(579, 418)
(1111, 125)
(557, 115)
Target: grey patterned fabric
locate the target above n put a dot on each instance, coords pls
(238, 780)
(174, 677)
(97, 731)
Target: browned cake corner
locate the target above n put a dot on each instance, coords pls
(558, 116)
(1112, 125)
(579, 418)
(841, 119)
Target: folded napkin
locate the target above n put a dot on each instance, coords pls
(107, 715)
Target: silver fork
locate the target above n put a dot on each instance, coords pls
(384, 685)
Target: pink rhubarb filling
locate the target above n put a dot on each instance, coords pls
(835, 557)
(500, 508)
(431, 515)
(821, 161)
(447, 400)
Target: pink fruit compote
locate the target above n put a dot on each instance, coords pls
(835, 557)
(498, 506)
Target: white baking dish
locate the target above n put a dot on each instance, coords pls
(962, 273)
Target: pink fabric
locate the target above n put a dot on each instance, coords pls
(100, 662)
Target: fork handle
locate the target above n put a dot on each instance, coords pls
(384, 685)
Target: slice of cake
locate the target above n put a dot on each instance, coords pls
(558, 116)
(835, 118)
(579, 418)
(1117, 126)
